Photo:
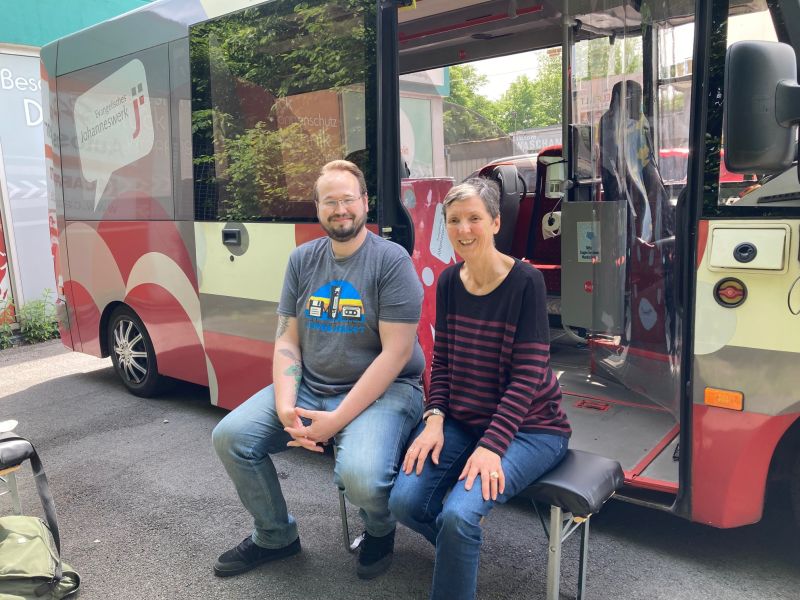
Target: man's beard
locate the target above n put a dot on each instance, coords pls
(348, 233)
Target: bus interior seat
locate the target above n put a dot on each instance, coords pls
(628, 165)
(526, 207)
(629, 173)
(545, 254)
(511, 190)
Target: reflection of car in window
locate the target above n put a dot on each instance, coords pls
(673, 163)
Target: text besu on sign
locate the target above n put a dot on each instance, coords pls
(113, 124)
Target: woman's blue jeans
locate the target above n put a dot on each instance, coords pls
(367, 453)
(453, 524)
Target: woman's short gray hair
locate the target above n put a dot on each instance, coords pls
(483, 188)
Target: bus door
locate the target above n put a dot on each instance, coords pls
(745, 400)
(594, 213)
(278, 90)
(630, 96)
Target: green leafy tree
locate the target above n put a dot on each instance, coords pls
(468, 116)
(599, 58)
(530, 103)
(247, 161)
(628, 56)
(264, 165)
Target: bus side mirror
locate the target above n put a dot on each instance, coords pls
(762, 107)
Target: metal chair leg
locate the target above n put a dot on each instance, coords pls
(554, 552)
(350, 546)
(584, 557)
(10, 479)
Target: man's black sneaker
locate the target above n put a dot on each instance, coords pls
(375, 555)
(248, 555)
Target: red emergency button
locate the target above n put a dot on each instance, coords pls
(730, 292)
(588, 286)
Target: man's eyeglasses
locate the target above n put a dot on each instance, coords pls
(333, 204)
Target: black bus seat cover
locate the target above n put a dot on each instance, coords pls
(580, 484)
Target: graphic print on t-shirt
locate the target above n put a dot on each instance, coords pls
(335, 307)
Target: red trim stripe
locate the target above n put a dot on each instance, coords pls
(471, 23)
(614, 401)
(657, 449)
(648, 483)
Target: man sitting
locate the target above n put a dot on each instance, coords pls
(346, 366)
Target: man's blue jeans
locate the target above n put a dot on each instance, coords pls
(367, 453)
(454, 525)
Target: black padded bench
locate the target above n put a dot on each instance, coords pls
(575, 490)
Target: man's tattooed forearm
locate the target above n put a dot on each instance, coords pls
(294, 370)
(283, 325)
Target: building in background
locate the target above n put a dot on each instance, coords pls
(26, 263)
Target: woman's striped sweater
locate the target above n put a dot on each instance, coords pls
(491, 358)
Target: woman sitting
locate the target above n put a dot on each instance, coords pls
(493, 423)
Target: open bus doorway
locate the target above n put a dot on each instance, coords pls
(593, 214)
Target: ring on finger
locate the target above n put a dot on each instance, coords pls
(494, 475)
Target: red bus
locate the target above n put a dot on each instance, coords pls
(184, 138)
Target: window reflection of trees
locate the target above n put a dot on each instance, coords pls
(255, 157)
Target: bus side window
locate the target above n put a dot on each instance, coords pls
(266, 116)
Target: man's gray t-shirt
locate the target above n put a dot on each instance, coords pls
(338, 303)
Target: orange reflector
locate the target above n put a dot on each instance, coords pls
(724, 399)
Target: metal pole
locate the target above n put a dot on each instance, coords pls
(554, 553)
(584, 556)
(349, 546)
(566, 88)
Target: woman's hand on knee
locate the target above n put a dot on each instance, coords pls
(430, 441)
(488, 465)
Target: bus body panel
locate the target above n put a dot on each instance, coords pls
(55, 192)
(239, 291)
(433, 252)
(218, 331)
(148, 266)
(150, 25)
(746, 329)
(752, 348)
(731, 456)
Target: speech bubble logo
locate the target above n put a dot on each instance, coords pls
(114, 125)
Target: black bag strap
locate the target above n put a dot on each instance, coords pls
(29, 452)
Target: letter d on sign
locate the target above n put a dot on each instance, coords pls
(30, 106)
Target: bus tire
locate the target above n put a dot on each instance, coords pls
(794, 491)
(132, 353)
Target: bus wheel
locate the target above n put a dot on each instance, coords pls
(794, 491)
(132, 353)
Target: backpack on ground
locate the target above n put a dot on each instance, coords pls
(30, 548)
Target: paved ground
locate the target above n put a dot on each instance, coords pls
(145, 507)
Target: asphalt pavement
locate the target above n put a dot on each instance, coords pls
(145, 507)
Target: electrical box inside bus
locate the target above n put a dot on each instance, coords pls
(593, 238)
